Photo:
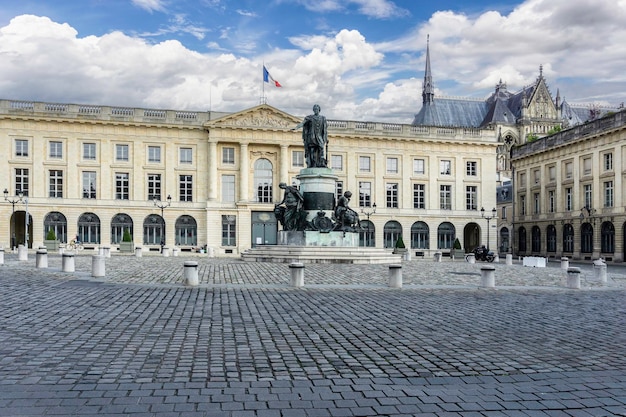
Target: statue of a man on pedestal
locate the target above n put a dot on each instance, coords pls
(315, 138)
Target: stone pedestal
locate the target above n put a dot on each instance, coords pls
(316, 238)
(395, 276)
(317, 186)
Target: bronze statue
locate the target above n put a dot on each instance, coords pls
(290, 215)
(346, 218)
(315, 138)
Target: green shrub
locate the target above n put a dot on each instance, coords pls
(50, 235)
(400, 243)
(456, 244)
(127, 237)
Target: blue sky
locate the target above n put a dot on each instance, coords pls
(358, 59)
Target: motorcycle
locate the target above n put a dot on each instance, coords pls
(483, 254)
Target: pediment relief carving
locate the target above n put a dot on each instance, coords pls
(258, 118)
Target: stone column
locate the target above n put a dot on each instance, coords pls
(244, 172)
(212, 181)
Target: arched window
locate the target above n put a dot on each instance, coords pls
(391, 233)
(551, 238)
(89, 228)
(153, 230)
(186, 231)
(586, 238)
(535, 239)
(58, 223)
(119, 223)
(263, 180)
(521, 236)
(607, 238)
(568, 238)
(445, 235)
(366, 235)
(504, 239)
(419, 235)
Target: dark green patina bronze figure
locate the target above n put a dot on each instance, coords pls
(315, 138)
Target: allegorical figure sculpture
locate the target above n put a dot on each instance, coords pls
(346, 218)
(315, 138)
(289, 211)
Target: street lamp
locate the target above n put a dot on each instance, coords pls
(367, 214)
(162, 205)
(488, 218)
(19, 196)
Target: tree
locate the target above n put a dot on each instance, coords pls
(50, 235)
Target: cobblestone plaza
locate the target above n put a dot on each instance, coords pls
(246, 343)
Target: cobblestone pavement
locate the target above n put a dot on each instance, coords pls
(245, 343)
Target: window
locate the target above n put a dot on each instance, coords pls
(121, 152)
(89, 184)
(263, 178)
(522, 205)
(186, 187)
(568, 238)
(535, 239)
(56, 222)
(367, 234)
(154, 186)
(608, 161)
(445, 167)
(122, 186)
(365, 194)
(89, 228)
(568, 199)
(338, 189)
(503, 215)
(186, 231)
(21, 147)
(228, 188)
(228, 156)
(229, 231)
(21, 180)
(552, 173)
(537, 176)
(419, 196)
(588, 195)
(445, 235)
(607, 238)
(551, 202)
(445, 197)
(89, 151)
(186, 156)
(392, 195)
(471, 197)
(392, 165)
(522, 179)
(587, 166)
(391, 232)
(471, 169)
(154, 154)
(336, 162)
(419, 235)
(153, 230)
(56, 183)
(297, 158)
(536, 205)
(56, 150)
(364, 164)
(608, 194)
(418, 167)
(569, 170)
(119, 224)
(551, 238)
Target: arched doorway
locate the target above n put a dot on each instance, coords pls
(551, 239)
(586, 238)
(420, 236)
(21, 230)
(471, 237)
(119, 224)
(89, 228)
(504, 239)
(154, 230)
(391, 232)
(607, 238)
(56, 222)
(367, 234)
(446, 234)
(186, 231)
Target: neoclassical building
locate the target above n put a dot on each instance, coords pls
(569, 193)
(194, 179)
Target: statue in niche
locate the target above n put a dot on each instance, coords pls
(289, 211)
(315, 138)
(346, 218)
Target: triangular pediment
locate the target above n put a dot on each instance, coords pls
(259, 117)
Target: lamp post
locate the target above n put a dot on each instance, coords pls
(162, 205)
(19, 196)
(367, 214)
(488, 218)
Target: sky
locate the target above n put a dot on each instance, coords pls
(358, 59)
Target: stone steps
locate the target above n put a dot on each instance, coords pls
(319, 254)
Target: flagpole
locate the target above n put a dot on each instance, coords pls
(263, 101)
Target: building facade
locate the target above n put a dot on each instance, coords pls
(206, 179)
(569, 193)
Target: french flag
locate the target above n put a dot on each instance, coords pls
(267, 77)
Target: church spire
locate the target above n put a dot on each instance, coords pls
(428, 91)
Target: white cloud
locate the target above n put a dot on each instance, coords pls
(150, 5)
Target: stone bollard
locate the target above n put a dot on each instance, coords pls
(509, 259)
(61, 250)
(106, 251)
(471, 258)
(175, 252)
(496, 258)
(67, 263)
(166, 252)
(297, 274)
(191, 273)
(437, 257)
(97, 265)
(573, 278)
(564, 263)
(1, 256)
(22, 253)
(488, 276)
(406, 256)
(41, 258)
(138, 252)
(395, 276)
(599, 268)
